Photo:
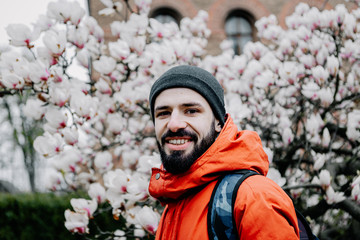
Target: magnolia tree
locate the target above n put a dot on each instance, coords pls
(298, 88)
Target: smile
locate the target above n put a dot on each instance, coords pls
(178, 141)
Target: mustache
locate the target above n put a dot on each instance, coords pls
(179, 133)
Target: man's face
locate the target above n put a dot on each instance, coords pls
(185, 127)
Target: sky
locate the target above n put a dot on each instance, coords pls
(22, 11)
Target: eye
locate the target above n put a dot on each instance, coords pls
(162, 114)
(191, 111)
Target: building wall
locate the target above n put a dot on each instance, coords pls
(218, 11)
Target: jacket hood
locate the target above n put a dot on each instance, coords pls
(232, 150)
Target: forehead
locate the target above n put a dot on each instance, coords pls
(179, 96)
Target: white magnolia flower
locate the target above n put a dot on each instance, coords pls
(115, 123)
(34, 108)
(353, 125)
(65, 11)
(76, 222)
(287, 136)
(48, 145)
(71, 135)
(320, 75)
(83, 105)
(332, 65)
(21, 35)
(97, 191)
(12, 80)
(320, 160)
(146, 163)
(55, 41)
(111, 6)
(119, 50)
(355, 193)
(103, 87)
(78, 36)
(103, 161)
(68, 160)
(82, 205)
(105, 65)
(333, 197)
(116, 181)
(56, 118)
(148, 219)
(324, 178)
(326, 138)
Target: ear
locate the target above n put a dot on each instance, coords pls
(218, 126)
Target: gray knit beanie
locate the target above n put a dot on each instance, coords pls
(195, 78)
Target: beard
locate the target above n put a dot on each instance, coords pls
(177, 161)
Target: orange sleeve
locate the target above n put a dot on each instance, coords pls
(264, 211)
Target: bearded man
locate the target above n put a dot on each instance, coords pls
(199, 143)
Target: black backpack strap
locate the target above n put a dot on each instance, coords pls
(304, 228)
(220, 221)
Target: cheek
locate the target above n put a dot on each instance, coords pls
(158, 130)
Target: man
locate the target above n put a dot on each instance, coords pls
(198, 143)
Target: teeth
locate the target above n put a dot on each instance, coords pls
(178, 141)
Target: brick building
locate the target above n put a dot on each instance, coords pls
(233, 19)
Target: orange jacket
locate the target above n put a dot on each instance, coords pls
(262, 209)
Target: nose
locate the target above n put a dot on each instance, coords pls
(176, 122)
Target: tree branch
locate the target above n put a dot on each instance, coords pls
(352, 208)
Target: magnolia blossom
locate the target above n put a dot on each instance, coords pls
(48, 145)
(324, 178)
(81, 205)
(287, 136)
(21, 35)
(355, 193)
(55, 41)
(326, 138)
(83, 105)
(146, 163)
(56, 118)
(65, 11)
(71, 135)
(353, 125)
(97, 191)
(320, 75)
(332, 197)
(320, 160)
(34, 108)
(116, 123)
(332, 65)
(103, 161)
(119, 50)
(111, 7)
(148, 219)
(11, 80)
(54, 180)
(76, 222)
(103, 86)
(78, 36)
(116, 181)
(105, 65)
(68, 160)
(137, 188)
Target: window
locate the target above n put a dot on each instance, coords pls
(239, 28)
(166, 15)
